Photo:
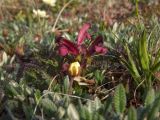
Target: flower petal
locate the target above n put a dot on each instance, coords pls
(65, 67)
(88, 35)
(40, 13)
(74, 69)
(82, 49)
(83, 34)
(101, 50)
(97, 46)
(98, 40)
(63, 51)
(67, 45)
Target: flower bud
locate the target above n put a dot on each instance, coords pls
(74, 69)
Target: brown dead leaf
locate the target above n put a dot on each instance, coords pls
(37, 38)
(20, 50)
(83, 81)
(157, 75)
(5, 32)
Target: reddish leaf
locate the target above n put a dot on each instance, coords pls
(66, 46)
(83, 34)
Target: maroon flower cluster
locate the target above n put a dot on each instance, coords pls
(66, 47)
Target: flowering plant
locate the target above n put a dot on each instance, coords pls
(80, 51)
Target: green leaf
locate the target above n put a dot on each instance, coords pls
(99, 76)
(128, 66)
(97, 116)
(157, 58)
(48, 106)
(143, 52)
(150, 97)
(13, 89)
(86, 114)
(10, 90)
(120, 99)
(28, 111)
(156, 67)
(154, 111)
(132, 113)
(97, 103)
(132, 65)
(66, 84)
(37, 95)
(61, 112)
(94, 106)
(72, 112)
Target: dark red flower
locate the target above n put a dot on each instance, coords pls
(66, 47)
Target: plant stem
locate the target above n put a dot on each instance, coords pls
(71, 85)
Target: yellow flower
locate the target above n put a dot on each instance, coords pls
(40, 13)
(50, 2)
(74, 69)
